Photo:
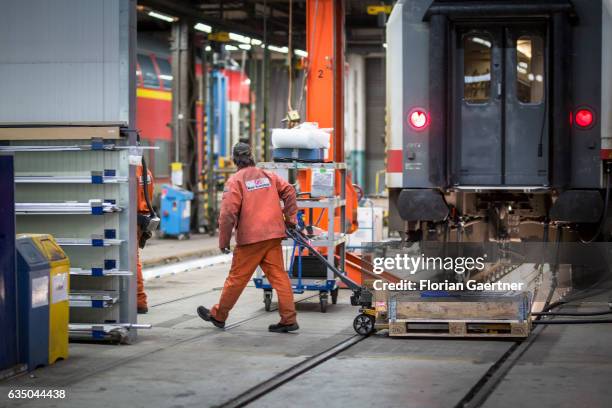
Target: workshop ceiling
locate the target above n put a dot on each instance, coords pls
(246, 17)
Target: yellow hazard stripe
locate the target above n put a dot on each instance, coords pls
(153, 94)
(159, 95)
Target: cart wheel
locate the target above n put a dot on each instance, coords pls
(268, 300)
(364, 324)
(188, 236)
(160, 234)
(181, 237)
(334, 296)
(323, 301)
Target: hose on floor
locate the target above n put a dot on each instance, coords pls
(573, 321)
(598, 313)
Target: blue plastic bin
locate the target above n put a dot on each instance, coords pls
(175, 211)
(33, 303)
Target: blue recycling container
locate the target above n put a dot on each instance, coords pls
(175, 211)
(33, 271)
(9, 355)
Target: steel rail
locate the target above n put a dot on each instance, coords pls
(291, 373)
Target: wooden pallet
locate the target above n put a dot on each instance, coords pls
(459, 328)
(461, 306)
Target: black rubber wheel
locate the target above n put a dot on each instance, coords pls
(323, 303)
(334, 296)
(364, 324)
(268, 301)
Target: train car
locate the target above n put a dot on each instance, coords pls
(154, 109)
(499, 119)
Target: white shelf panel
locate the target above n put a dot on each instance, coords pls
(67, 180)
(105, 272)
(92, 207)
(334, 202)
(88, 242)
(300, 165)
(93, 299)
(320, 243)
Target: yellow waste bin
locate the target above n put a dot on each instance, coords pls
(59, 281)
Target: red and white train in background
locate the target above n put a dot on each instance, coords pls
(154, 110)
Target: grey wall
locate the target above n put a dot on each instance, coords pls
(64, 61)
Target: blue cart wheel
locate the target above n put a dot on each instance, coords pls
(268, 300)
(334, 296)
(323, 301)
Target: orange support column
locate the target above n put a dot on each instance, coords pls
(325, 89)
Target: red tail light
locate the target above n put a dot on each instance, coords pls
(418, 118)
(584, 118)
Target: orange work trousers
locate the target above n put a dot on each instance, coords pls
(141, 296)
(269, 255)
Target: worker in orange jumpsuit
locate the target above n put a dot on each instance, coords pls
(143, 235)
(251, 205)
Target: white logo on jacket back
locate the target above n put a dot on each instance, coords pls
(256, 184)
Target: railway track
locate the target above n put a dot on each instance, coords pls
(473, 398)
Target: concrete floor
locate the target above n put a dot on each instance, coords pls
(184, 362)
(163, 250)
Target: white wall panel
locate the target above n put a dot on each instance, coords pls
(63, 61)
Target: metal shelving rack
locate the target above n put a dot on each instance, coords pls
(336, 246)
(79, 191)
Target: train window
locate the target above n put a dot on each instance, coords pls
(476, 68)
(165, 72)
(149, 76)
(530, 69)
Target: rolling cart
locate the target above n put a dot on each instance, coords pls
(307, 271)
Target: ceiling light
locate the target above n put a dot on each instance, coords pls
(203, 27)
(229, 47)
(161, 16)
(240, 38)
(301, 53)
(244, 46)
(208, 48)
(255, 41)
(283, 50)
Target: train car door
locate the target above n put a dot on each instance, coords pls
(499, 126)
(525, 122)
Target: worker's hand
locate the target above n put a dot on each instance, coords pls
(225, 250)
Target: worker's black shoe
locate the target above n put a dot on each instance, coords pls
(142, 310)
(283, 328)
(204, 313)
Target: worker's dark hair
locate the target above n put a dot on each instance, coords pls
(242, 156)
